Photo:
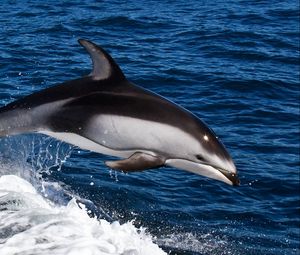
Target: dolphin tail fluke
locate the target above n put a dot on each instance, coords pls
(137, 162)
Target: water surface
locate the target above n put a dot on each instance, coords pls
(235, 64)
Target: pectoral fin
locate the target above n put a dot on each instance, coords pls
(137, 162)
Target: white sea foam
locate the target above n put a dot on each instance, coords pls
(196, 243)
(29, 224)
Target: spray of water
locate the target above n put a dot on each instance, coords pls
(33, 224)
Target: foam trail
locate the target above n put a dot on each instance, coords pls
(29, 224)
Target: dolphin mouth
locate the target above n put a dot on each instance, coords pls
(205, 169)
(233, 177)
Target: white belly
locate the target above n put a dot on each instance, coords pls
(87, 144)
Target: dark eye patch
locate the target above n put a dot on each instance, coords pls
(200, 157)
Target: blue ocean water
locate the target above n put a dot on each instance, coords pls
(235, 64)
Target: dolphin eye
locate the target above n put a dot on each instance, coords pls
(200, 157)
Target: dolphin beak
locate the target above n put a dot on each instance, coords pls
(232, 177)
(220, 174)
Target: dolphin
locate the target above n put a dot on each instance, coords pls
(105, 113)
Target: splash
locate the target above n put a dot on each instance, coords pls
(30, 156)
(33, 220)
(29, 224)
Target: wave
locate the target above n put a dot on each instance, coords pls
(39, 215)
(30, 224)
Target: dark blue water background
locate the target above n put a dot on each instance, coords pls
(233, 63)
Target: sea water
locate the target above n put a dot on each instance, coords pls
(235, 64)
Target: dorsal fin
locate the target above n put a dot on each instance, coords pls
(104, 67)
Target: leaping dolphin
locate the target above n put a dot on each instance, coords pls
(105, 113)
